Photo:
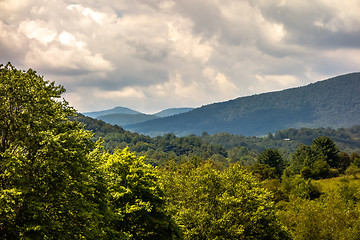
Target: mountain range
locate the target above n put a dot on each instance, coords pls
(334, 103)
(123, 116)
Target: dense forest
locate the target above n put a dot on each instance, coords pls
(61, 181)
(223, 148)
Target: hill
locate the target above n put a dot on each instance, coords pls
(116, 110)
(125, 119)
(331, 103)
(172, 111)
(221, 147)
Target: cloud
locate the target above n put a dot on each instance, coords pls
(154, 54)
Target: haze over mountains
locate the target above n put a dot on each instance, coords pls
(331, 103)
(123, 116)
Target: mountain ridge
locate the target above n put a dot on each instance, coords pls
(115, 110)
(123, 116)
(320, 104)
(172, 111)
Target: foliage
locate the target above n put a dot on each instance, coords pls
(320, 160)
(297, 186)
(55, 183)
(48, 172)
(273, 158)
(263, 171)
(352, 170)
(226, 148)
(333, 216)
(210, 204)
(136, 201)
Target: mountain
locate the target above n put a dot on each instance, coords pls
(116, 110)
(172, 111)
(124, 116)
(332, 103)
(125, 119)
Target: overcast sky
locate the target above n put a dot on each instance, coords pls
(149, 55)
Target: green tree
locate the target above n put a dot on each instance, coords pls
(263, 171)
(326, 147)
(331, 217)
(344, 161)
(273, 158)
(49, 183)
(321, 159)
(212, 204)
(302, 157)
(136, 202)
(353, 170)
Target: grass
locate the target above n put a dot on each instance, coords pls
(331, 184)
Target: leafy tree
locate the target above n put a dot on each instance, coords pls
(49, 183)
(344, 161)
(211, 204)
(273, 158)
(297, 186)
(329, 217)
(136, 201)
(320, 160)
(355, 159)
(352, 170)
(263, 171)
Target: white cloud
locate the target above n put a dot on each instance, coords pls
(37, 30)
(185, 44)
(220, 82)
(97, 16)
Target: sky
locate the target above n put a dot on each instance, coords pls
(149, 55)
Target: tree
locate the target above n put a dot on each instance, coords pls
(325, 146)
(212, 204)
(302, 157)
(352, 170)
(49, 183)
(344, 161)
(137, 203)
(321, 159)
(273, 158)
(329, 217)
(263, 171)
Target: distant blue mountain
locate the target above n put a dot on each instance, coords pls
(126, 119)
(172, 111)
(123, 116)
(116, 110)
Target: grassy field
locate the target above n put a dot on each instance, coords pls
(331, 184)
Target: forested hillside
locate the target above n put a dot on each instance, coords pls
(331, 103)
(172, 111)
(222, 147)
